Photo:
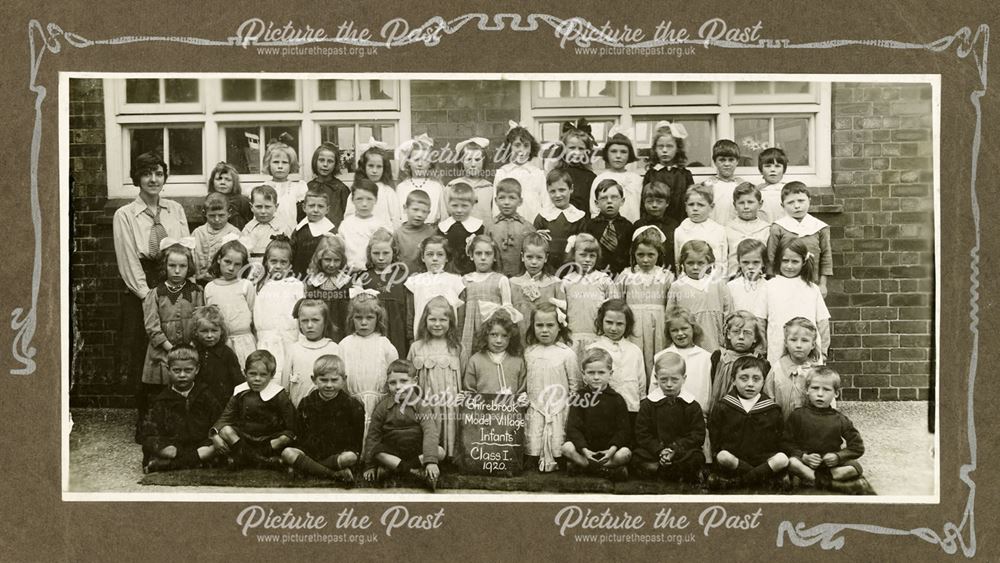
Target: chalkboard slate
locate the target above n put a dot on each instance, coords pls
(491, 435)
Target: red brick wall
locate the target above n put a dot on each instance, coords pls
(879, 209)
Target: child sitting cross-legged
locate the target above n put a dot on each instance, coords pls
(330, 425)
(746, 428)
(597, 430)
(822, 444)
(177, 422)
(670, 427)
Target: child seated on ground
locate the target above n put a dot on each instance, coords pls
(330, 425)
(402, 435)
(746, 427)
(670, 427)
(822, 444)
(177, 422)
(597, 430)
(258, 421)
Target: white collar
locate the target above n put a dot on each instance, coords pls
(809, 225)
(340, 281)
(318, 228)
(313, 344)
(471, 224)
(685, 353)
(551, 213)
(747, 227)
(748, 403)
(266, 394)
(690, 225)
(700, 284)
(656, 394)
(182, 393)
(771, 187)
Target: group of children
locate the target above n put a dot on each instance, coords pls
(650, 340)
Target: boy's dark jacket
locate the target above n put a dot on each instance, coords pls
(821, 431)
(676, 423)
(328, 427)
(173, 420)
(751, 436)
(601, 424)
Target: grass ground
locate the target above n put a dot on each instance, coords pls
(103, 458)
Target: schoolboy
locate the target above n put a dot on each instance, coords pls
(265, 224)
(413, 231)
(612, 231)
(310, 230)
(509, 227)
(460, 225)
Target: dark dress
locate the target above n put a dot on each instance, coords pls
(337, 192)
(393, 300)
(560, 229)
(679, 179)
(457, 234)
(303, 246)
(336, 300)
(179, 421)
(240, 211)
(752, 436)
(328, 427)
(614, 258)
(583, 179)
(219, 371)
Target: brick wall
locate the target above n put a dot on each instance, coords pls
(882, 295)
(879, 209)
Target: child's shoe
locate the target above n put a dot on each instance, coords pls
(155, 465)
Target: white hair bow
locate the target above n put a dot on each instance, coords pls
(403, 150)
(628, 132)
(641, 230)
(570, 243)
(481, 142)
(372, 144)
(560, 310)
(186, 242)
(487, 309)
(677, 130)
(355, 291)
(511, 124)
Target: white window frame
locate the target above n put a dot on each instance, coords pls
(817, 174)
(256, 105)
(312, 93)
(538, 102)
(213, 118)
(675, 100)
(118, 92)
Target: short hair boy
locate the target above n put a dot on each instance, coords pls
(612, 231)
(746, 427)
(822, 444)
(460, 224)
(331, 425)
(670, 426)
(772, 163)
(725, 158)
(265, 223)
(176, 425)
(414, 230)
(208, 237)
(509, 227)
(560, 218)
(746, 223)
(310, 230)
(799, 223)
(597, 429)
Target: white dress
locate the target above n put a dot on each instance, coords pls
(433, 188)
(788, 298)
(367, 358)
(235, 300)
(771, 196)
(356, 233)
(272, 317)
(749, 296)
(301, 357)
(386, 208)
(738, 230)
(290, 193)
(426, 286)
(722, 197)
(553, 374)
(631, 184)
(628, 372)
(533, 192)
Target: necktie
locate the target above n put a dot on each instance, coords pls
(609, 239)
(156, 233)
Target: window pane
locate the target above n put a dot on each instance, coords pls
(239, 90)
(654, 88)
(185, 150)
(752, 135)
(145, 140)
(791, 134)
(697, 145)
(752, 88)
(356, 90)
(791, 87)
(577, 89)
(343, 135)
(288, 134)
(177, 90)
(694, 88)
(142, 91)
(550, 131)
(599, 127)
(277, 90)
(243, 149)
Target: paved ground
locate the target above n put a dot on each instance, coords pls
(104, 458)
